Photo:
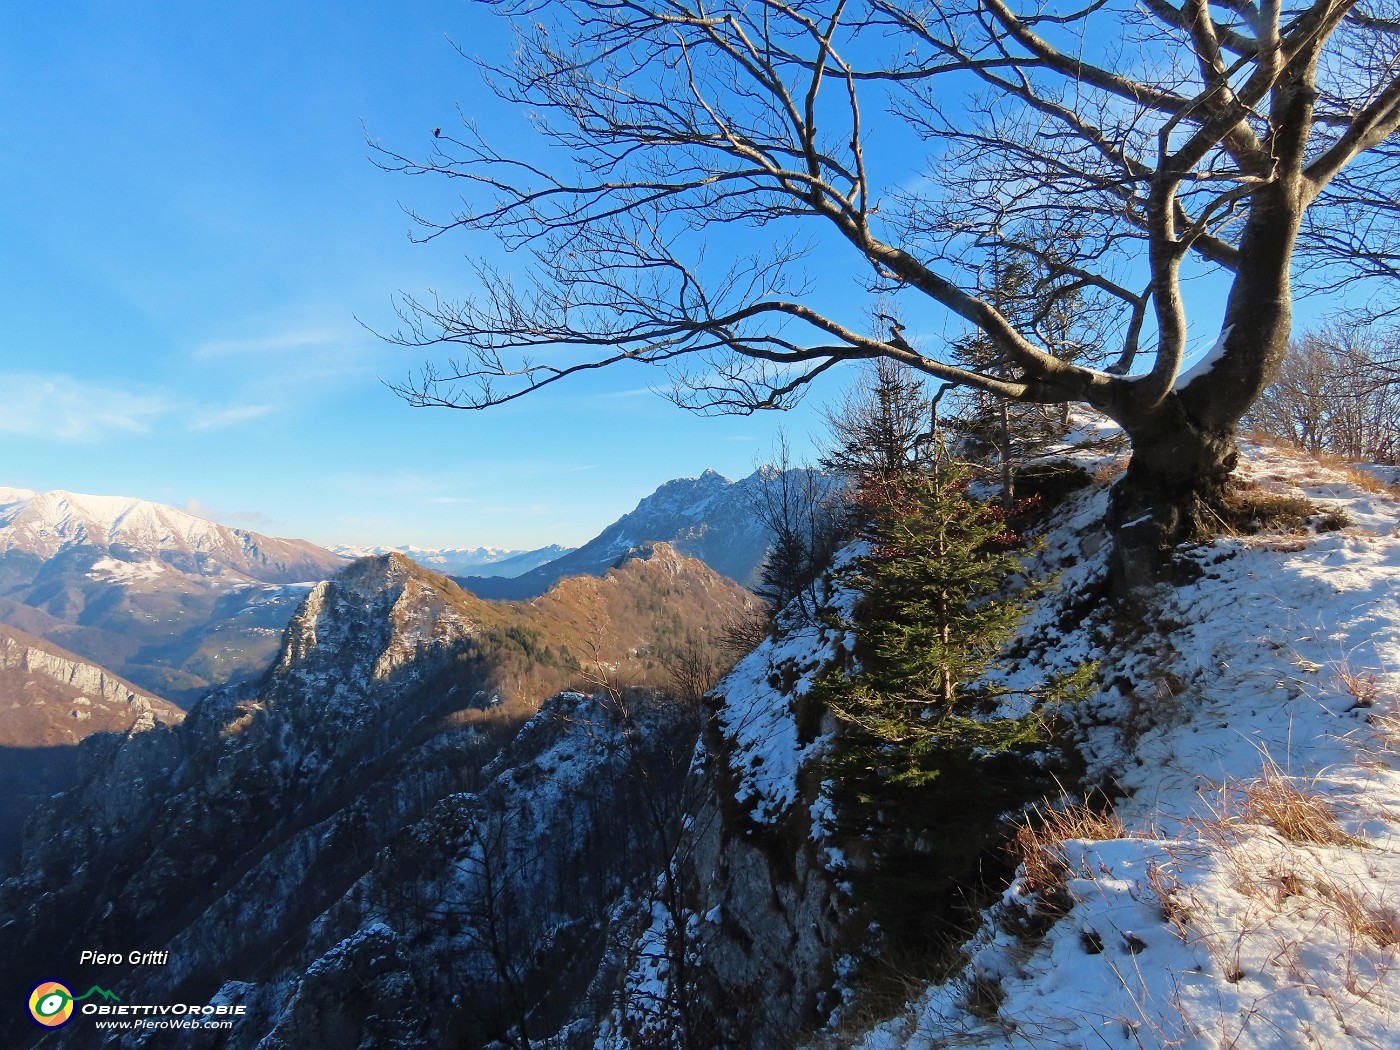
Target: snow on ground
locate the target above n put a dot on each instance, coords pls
(766, 752)
(1252, 727)
(113, 570)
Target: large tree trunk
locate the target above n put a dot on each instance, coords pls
(1169, 494)
(1184, 446)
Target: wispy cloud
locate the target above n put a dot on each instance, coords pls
(308, 357)
(272, 343)
(62, 408)
(634, 392)
(219, 418)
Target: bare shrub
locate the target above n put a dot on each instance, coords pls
(1337, 393)
(743, 632)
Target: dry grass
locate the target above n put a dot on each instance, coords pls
(1387, 727)
(1109, 469)
(1299, 815)
(1248, 509)
(1365, 689)
(1171, 897)
(1356, 476)
(1041, 837)
(1364, 917)
(1286, 887)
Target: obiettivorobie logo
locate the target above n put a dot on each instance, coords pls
(51, 1003)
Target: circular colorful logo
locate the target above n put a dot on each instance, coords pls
(51, 1004)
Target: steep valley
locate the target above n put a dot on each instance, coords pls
(222, 838)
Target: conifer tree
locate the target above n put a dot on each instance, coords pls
(933, 614)
(925, 766)
(880, 429)
(1021, 286)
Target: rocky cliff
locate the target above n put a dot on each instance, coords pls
(50, 700)
(384, 817)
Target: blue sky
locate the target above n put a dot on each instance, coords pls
(189, 228)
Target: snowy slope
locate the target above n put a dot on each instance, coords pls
(1252, 897)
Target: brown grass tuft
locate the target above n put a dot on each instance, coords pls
(1276, 800)
(1248, 509)
(1041, 837)
(1364, 919)
(1108, 469)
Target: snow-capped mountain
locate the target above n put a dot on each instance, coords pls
(709, 518)
(464, 561)
(142, 539)
(169, 600)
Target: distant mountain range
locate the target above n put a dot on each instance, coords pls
(168, 600)
(463, 561)
(176, 603)
(709, 518)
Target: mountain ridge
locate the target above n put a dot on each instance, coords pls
(708, 517)
(391, 692)
(454, 561)
(169, 600)
(50, 701)
(46, 524)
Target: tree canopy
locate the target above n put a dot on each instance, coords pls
(709, 153)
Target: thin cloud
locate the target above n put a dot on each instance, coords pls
(634, 392)
(254, 518)
(278, 342)
(308, 357)
(61, 408)
(217, 419)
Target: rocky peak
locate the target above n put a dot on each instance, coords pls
(373, 617)
(684, 497)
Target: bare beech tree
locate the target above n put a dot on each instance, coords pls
(1339, 393)
(706, 147)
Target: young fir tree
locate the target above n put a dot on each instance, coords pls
(922, 773)
(932, 617)
(880, 430)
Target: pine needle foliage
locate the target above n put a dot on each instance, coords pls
(924, 771)
(934, 611)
